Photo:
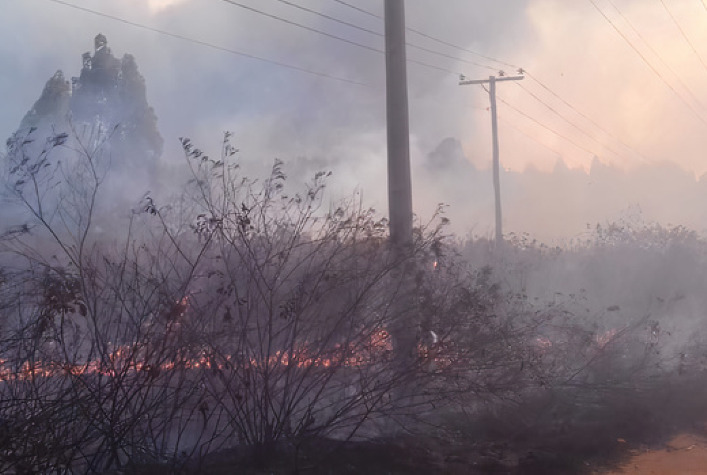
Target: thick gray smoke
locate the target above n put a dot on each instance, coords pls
(598, 294)
(316, 123)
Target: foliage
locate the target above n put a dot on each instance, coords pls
(241, 316)
(248, 318)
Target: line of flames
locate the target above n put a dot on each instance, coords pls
(123, 360)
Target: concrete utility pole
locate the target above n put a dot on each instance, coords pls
(492, 80)
(399, 181)
(404, 325)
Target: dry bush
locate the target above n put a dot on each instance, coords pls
(239, 317)
(248, 319)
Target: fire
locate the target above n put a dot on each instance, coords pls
(126, 359)
(543, 343)
(131, 359)
(605, 338)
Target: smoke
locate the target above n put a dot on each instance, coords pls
(315, 123)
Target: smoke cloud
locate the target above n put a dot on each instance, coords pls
(648, 155)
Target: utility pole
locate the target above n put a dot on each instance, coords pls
(399, 181)
(491, 81)
(404, 325)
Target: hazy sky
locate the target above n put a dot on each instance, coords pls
(644, 113)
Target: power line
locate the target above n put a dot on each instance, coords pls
(431, 66)
(586, 117)
(427, 50)
(305, 27)
(248, 55)
(345, 40)
(435, 39)
(642, 56)
(535, 139)
(533, 119)
(657, 55)
(329, 17)
(359, 9)
(554, 111)
(682, 32)
(575, 126)
(461, 48)
(353, 25)
(210, 45)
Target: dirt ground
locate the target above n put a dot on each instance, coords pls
(683, 455)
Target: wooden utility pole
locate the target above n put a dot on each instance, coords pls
(399, 180)
(492, 80)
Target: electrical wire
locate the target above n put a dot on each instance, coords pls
(535, 139)
(358, 9)
(352, 25)
(553, 110)
(345, 40)
(444, 55)
(593, 122)
(684, 35)
(584, 116)
(325, 75)
(432, 66)
(210, 45)
(565, 102)
(572, 124)
(645, 60)
(305, 27)
(435, 39)
(536, 121)
(461, 48)
(329, 17)
(657, 55)
(248, 55)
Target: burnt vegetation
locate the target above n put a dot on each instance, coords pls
(250, 327)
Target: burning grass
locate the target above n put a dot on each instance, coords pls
(252, 327)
